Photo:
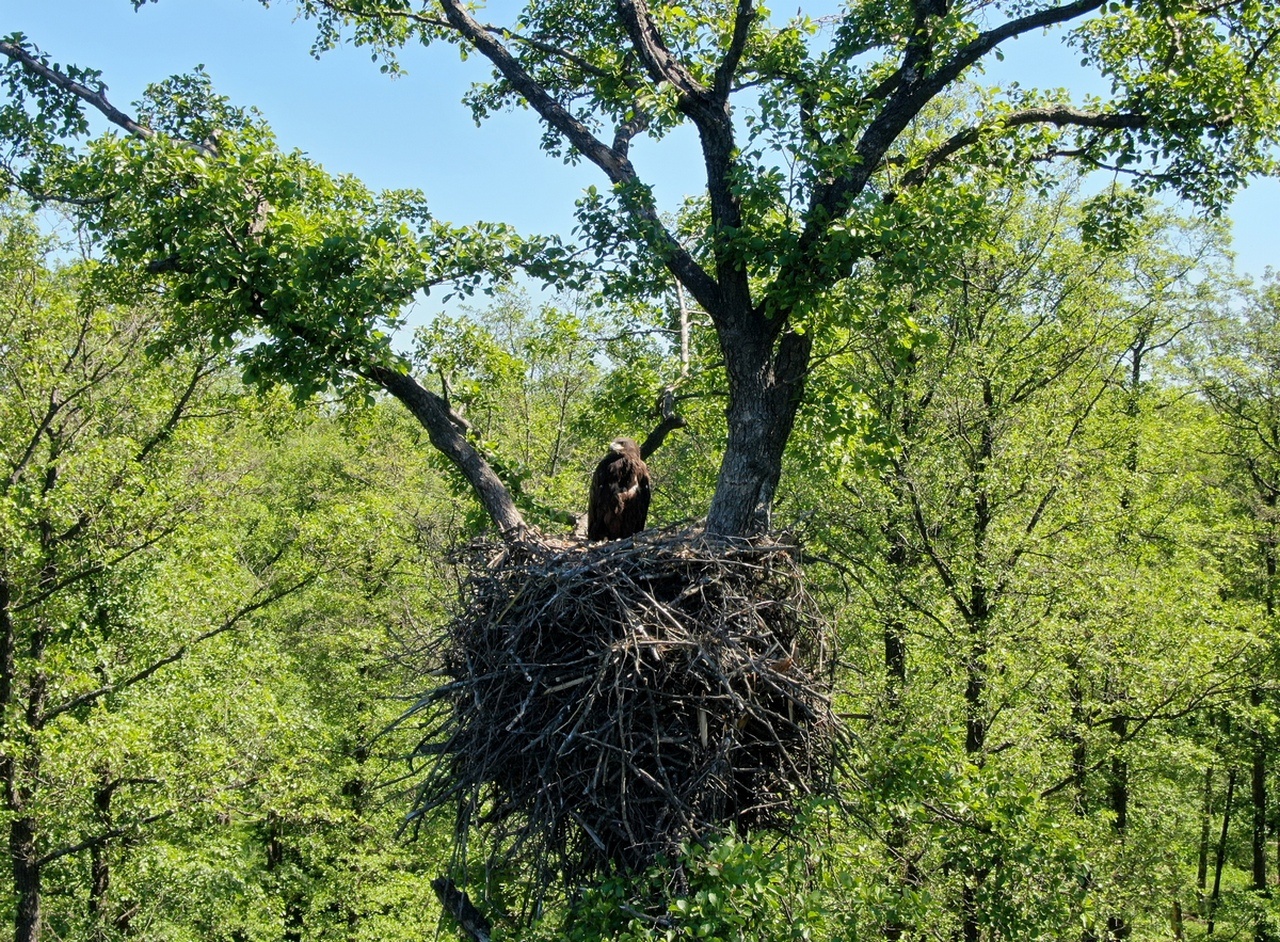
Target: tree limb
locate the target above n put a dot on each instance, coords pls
(1140, 722)
(1058, 115)
(627, 132)
(731, 307)
(457, 904)
(203, 370)
(616, 166)
(94, 569)
(670, 421)
(96, 99)
(742, 20)
(652, 49)
(619, 170)
(436, 417)
(970, 53)
(99, 839)
(911, 93)
(546, 48)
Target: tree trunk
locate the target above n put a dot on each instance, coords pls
(978, 610)
(1258, 794)
(24, 857)
(1202, 868)
(1221, 859)
(1118, 787)
(21, 772)
(898, 837)
(1079, 746)
(895, 663)
(979, 602)
(969, 911)
(1258, 772)
(276, 856)
(1080, 764)
(975, 742)
(99, 859)
(20, 778)
(26, 879)
(764, 395)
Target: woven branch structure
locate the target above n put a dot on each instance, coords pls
(603, 703)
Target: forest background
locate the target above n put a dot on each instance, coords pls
(1037, 493)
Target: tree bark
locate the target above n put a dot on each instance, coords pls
(99, 860)
(1258, 794)
(1221, 858)
(457, 904)
(895, 635)
(1258, 771)
(1202, 867)
(21, 774)
(765, 390)
(19, 778)
(434, 415)
(898, 837)
(1118, 787)
(26, 877)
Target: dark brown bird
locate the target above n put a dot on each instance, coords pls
(619, 501)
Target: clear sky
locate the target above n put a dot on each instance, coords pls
(413, 131)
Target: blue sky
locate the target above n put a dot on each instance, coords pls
(412, 131)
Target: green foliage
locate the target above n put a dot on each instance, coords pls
(38, 119)
(545, 389)
(204, 595)
(301, 274)
(1051, 555)
(1026, 535)
(316, 268)
(729, 889)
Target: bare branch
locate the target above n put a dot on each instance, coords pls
(709, 111)
(670, 421)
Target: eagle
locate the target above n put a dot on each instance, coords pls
(619, 501)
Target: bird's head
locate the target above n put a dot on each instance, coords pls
(621, 445)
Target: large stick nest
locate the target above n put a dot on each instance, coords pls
(604, 703)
